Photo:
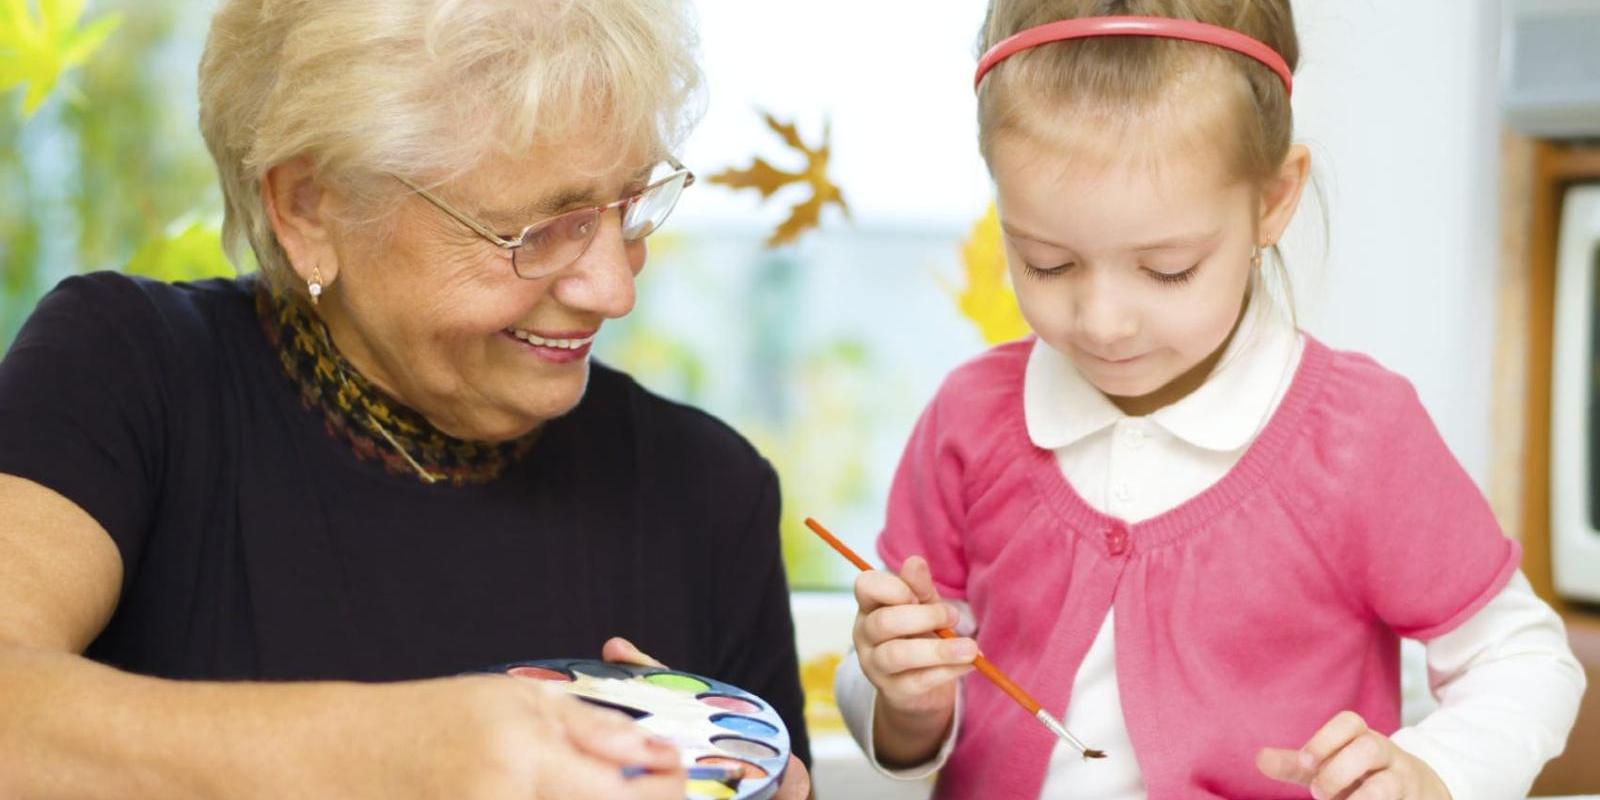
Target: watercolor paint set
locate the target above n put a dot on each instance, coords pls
(714, 724)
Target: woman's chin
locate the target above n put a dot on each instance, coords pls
(551, 405)
(499, 430)
(520, 415)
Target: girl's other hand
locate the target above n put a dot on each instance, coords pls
(1349, 761)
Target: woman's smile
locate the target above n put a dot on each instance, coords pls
(556, 347)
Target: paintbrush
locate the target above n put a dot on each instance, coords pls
(983, 665)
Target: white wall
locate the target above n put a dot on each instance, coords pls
(1396, 98)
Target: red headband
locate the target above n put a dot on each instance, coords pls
(1159, 27)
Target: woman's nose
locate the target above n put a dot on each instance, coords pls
(601, 282)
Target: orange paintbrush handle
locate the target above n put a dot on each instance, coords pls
(983, 665)
(999, 679)
(842, 548)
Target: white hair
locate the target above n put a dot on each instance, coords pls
(428, 89)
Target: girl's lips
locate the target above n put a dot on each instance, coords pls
(1113, 361)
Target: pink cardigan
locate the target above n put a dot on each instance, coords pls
(1246, 617)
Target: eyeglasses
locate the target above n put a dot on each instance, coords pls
(551, 245)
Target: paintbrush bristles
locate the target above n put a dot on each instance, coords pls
(1061, 731)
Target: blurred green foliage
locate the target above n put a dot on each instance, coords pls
(103, 165)
(188, 250)
(38, 44)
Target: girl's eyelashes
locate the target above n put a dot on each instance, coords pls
(1171, 278)
(1045, 272)
(1174, 278)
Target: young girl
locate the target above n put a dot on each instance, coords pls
(1193, 531)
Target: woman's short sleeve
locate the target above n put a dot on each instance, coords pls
(82, 404)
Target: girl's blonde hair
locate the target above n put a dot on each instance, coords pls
(1118, 79)
(428, 89)
(1117, 83)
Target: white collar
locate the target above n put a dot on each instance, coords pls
(1062, 407)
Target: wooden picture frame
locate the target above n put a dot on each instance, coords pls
(1534, 177)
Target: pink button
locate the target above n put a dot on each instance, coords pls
(1117, 540)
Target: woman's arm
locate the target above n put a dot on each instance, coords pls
(72, 728)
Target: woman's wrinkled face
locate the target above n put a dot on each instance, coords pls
(1135, 268)
(434, 314)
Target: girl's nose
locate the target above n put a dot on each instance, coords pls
(1104, 318)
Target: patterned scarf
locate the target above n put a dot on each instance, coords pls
(373, 424)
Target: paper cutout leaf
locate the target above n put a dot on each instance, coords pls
(988, 299)
(768, 180)
(761, 176)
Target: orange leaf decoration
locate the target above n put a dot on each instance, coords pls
(761, 176)
(767, 179)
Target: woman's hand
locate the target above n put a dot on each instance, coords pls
(1349, 761)
(796, 781)
(915, 672)
(495, 737)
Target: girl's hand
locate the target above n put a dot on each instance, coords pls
(915, 672)
(796, 781)
(1349, 761)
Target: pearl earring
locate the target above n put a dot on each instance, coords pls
(314, 286)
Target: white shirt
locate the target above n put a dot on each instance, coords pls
(1506, 680)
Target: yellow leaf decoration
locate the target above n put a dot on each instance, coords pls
(988, 299)
(36, 48)
(767, 179)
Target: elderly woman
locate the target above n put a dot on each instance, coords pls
(275, 515)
